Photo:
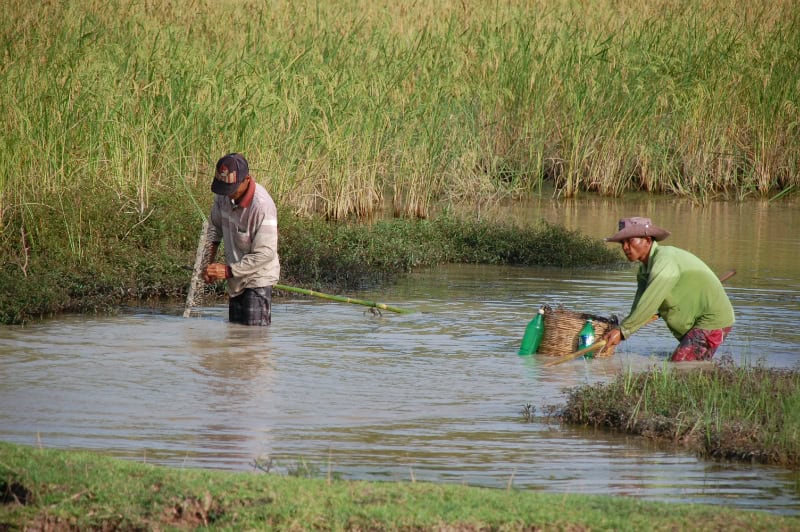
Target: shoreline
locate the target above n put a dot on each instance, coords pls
(66, 490)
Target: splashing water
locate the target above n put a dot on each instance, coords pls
(201, 259)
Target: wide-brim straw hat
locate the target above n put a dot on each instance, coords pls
(637, 227)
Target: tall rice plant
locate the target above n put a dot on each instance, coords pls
(120, 109)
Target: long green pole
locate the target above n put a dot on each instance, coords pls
(342, 299)
(198, 267)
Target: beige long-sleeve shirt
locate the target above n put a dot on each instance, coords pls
(249, 231)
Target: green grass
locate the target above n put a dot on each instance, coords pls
(48, 489)
(147, 262)
(747, 413)
(345, 107)
(114, 114)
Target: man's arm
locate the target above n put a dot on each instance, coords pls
(214, 271)
(660, 283)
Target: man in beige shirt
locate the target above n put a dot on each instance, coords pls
(244, 217)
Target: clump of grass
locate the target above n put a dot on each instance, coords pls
(745, 413)
(78, 257)
(139, 260)
(352, 255)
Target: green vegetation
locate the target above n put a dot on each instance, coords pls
(67, 490)
(343, 107)
(354, 255)
(114, 113)
(134, 264)
(749, 413)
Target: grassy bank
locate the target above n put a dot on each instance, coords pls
(62, 490)
(114, 113)
(748, 413)
(346, 107)
(147, 262)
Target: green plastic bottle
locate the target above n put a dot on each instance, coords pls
(586, 337)
(534, 333)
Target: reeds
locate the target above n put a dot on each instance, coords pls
(341, 106)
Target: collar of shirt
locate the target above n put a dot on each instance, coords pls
(245, 201)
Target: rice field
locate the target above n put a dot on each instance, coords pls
(349, 108)
(114, 112)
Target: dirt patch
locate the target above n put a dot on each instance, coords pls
(192, 512)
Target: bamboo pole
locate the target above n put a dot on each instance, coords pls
(199, 263)
(572, 356)
(342, 299)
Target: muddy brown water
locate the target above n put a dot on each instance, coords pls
(437, 395)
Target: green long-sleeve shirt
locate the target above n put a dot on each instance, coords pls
(682, 289)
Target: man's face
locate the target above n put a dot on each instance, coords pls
(239, 192)
(637, 248)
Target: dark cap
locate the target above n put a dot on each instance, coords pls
(232, 169)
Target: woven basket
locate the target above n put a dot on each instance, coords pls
(561, 328)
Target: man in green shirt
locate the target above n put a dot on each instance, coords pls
(677, 286)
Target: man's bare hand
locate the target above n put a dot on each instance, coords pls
(214, 272)
(612, 338)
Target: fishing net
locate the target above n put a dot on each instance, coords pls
(197, 290)
(561, 328)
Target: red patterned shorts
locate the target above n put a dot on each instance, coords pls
(699, 344)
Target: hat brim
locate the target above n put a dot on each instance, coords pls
(633, 231)
(223, 189)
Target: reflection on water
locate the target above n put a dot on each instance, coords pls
(436, 395)
(757, 238)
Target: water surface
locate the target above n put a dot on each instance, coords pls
(436, 395)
